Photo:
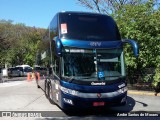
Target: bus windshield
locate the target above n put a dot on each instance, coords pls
(88, 27)
(27, 69)
(93, 64)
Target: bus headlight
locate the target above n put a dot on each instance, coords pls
(122, 90)
(69, 91)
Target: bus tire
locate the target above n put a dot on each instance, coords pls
(46, 89)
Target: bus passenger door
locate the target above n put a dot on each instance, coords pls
(55, 87)
(55, 80)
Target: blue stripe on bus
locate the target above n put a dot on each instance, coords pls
(92, 44)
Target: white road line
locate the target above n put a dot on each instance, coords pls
(8, 84)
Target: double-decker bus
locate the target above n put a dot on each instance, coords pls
(84, 60)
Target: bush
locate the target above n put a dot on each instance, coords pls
(156, 77)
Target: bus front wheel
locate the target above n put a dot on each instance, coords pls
(46, 89)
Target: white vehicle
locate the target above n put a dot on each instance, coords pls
(24, 69)
(5, 72)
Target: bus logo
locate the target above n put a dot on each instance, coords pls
(95, 83)
(95, 44)
(99, 95)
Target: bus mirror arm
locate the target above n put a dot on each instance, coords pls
(134, 46)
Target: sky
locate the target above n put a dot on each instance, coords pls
(35, 13)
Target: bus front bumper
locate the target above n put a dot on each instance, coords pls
(69, 101)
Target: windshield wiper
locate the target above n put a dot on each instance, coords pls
(79, 77)
(113, 76)
(71, 79)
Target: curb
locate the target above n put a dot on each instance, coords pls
(136, 92)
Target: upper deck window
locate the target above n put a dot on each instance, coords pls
(89, 27)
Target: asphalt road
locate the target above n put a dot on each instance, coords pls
(25, 96)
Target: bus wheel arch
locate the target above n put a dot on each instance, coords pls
(50, 95)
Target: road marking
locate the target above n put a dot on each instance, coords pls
(9, 84)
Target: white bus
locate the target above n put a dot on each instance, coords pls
(24, 69)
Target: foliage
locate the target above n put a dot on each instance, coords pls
(18, 43)
(141, 23)
(156, 77)
(109, 6)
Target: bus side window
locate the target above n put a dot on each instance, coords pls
(54, 59)
(56, 66)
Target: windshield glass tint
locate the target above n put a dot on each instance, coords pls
(88, 27)
(93, 65)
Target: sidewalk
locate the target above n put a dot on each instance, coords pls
(141, 92)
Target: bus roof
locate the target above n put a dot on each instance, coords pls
(87, 26)
(23, 66)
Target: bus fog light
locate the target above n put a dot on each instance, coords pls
(68, 101)
(122, 90)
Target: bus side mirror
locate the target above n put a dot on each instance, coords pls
(134, 46)
(58, 47)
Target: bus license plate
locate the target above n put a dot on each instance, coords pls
(98, 103)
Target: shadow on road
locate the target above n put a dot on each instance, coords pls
(144, 104)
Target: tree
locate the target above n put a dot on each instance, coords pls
(141, 23)
(108, 6)
(35, 36)
(18, 43)
(6, 40)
